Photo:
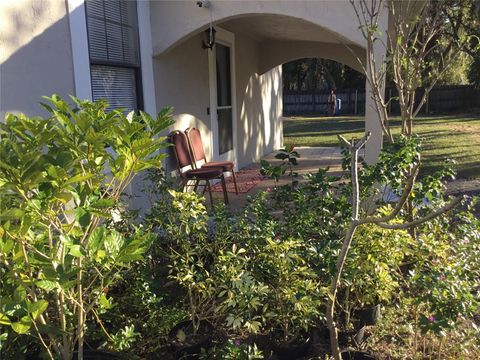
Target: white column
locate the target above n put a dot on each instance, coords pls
(372, 117)
(81, 60)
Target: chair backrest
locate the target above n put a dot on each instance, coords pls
(180, 148)
(196, 144)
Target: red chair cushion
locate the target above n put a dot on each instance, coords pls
(203, 174)
(225, 165)
(197, 144)
(179, 140)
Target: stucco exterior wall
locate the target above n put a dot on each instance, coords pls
(182, 81)
(335, 23)
(35, 54)
(180, 19)
(259, 99)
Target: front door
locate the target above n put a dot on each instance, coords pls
(222, 97)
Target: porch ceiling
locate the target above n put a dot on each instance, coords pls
(275, 27)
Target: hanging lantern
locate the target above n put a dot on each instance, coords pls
(209, 38)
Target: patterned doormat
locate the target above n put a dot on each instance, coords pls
(246, 180)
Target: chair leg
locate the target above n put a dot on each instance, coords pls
(210, 192)
(224, 187)
(235, 181)
(195, 187)
(183, 184)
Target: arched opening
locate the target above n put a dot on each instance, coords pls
(312, 115)
(261, 43)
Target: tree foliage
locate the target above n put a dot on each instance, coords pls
(61, 177)
(320, 74)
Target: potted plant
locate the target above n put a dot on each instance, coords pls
(372, 272)
(294, 295)
(191, 257)
(289, 157)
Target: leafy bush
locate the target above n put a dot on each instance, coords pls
(372, 270)
(60, 178)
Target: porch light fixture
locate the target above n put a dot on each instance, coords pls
(209, 38)
(209, 34)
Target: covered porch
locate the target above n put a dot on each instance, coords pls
(232, 92)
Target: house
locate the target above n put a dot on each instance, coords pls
(218, 63)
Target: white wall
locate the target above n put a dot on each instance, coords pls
(181, 19)
(181, 81)
(35, 54)
(259, 99)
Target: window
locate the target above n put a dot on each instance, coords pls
(224, 99)
(112, 27)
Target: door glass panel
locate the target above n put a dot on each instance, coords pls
(223, 76)
(224, 99)
(225, 130)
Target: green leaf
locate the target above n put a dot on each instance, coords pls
(76, 250)
(6, 246)
(47, 285)
(37, 308)
(181, 337)
(103, 204)
(83, 217)
(19, 294)
(79, 178)
(4, 320)
(105, 302)
(12, 214)
(96, 239)
(22, 326)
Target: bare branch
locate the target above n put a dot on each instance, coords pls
(452, 204)
(401, 202)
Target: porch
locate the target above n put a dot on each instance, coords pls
(311, 159)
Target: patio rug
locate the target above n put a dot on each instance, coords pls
(246, 180)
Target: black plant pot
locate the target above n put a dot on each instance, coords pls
(194, 343)
(369, 315)
(89, 354)
(353, 337)
(294, 349)
(357, 355)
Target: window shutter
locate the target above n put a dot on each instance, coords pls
(113, 31)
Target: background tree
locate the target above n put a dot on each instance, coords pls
(423, 43)
(314, 74)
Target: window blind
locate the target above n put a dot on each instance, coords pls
(116, 85)
(112, 27)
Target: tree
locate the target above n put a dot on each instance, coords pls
(385, 221)
(421, 30)
(424, 41)
(315, 73)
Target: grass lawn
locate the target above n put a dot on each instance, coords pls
(444, 137)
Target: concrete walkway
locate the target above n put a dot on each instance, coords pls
(311, 159)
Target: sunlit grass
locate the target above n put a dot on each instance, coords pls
(454, 137)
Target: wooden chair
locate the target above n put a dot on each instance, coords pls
(185, 166)
(198, 154)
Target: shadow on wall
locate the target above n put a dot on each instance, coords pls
(260, 115)
(36, 55)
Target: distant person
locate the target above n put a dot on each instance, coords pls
(332, 100)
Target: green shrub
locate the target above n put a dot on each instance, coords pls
(61, 177)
